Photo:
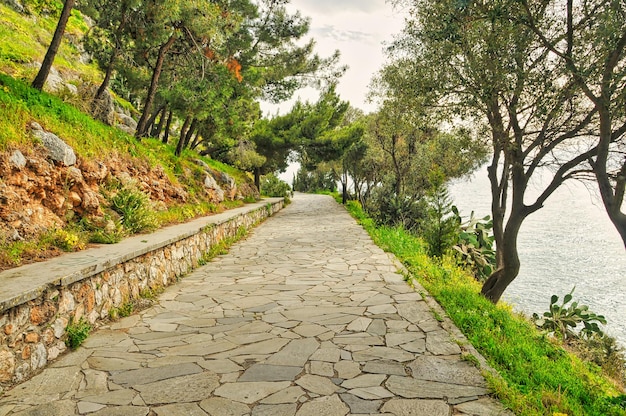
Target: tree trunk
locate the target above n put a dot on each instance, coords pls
(612, 199)
(158, 128)
(107, 76)
(257, 178)
(114, 54)
(168, 125)
(189, 135)
(143, 121)
(181, 139)
(196, 141)
(42, 75)
(150, 125)
(508, 270)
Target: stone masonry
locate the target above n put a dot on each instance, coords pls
(306, 317)
(38, 301)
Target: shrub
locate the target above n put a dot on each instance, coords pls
(135, 210)
(77, 332)
(274, 187)
(440, 228)
(68, 240)
(123, 311)
(389, 209)
(562, 320)
(474, 245)
(604, 351)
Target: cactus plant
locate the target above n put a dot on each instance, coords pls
(562, 320)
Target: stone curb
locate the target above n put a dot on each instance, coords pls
(446, 322)
(21, 284)
(38, 301)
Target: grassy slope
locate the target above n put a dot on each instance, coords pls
(23, 40)
(538, 377)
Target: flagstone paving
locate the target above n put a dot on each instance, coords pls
(306, 317)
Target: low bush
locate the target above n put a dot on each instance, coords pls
(562, 320)
(475, 245)
(274, 187)
(135, 210)
(77, 332)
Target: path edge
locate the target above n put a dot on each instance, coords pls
(39, 300)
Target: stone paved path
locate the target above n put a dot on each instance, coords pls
(306, 317)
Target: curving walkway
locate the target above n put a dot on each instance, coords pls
(306, 317)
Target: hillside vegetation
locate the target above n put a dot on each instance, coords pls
(116, 186)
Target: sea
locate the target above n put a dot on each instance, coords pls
(568, 244)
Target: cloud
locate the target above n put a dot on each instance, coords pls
(358, 29)
(340, 6)
(340, 34)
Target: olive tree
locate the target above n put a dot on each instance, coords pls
(588, 39)
(483, 66)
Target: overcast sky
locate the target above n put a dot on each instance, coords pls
(357, 28)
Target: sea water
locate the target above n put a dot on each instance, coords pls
(568, 243)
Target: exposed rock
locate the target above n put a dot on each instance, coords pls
(39, 357)
(57, 149)
(94, 171)
(227, 179)
(229, 185)
(202, 163)
(71, 88)
(55, 82)
(90, 202)
(17, 160)
(126, 129)
(126, 121)
(73, 176)
(34, 126)
(214, 190)
(7, 365)
(104, 108)
(15, 5)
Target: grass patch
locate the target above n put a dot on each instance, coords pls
(538, 377)
(77, 332)
(223, 246)
(125, 310)
(25, 39)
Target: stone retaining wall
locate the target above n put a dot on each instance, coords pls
(33, 333)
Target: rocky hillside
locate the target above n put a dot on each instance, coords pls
(61, 170)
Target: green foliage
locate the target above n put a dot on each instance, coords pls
(562, 320)
(391, 209)
(51, 7)
(222, 247)
(440, 227)
(125, 310)
(272, 186)
(474, 245)
(77, 332)
(151, 293)
(604, 351)
(135, 209)
(537, 376)
(86, 136)
(68, 239)
(318, 180)
(108, 230)
(186, 212)
(22, 42)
